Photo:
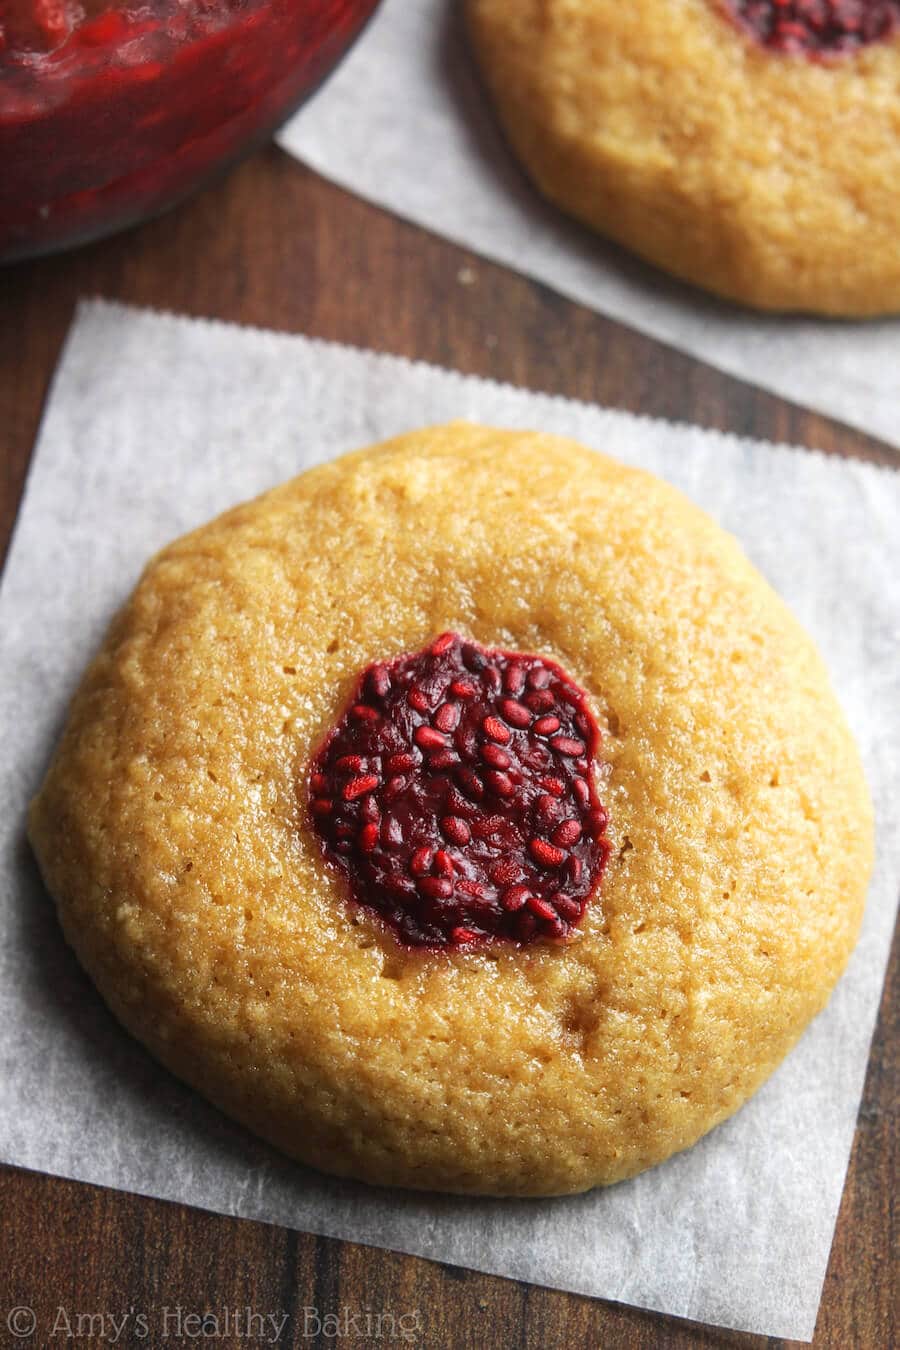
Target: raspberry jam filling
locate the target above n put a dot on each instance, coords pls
(456, 793)
(816, 26)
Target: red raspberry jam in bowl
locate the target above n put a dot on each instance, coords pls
(112, 110)
(456, 793)
(816, 27)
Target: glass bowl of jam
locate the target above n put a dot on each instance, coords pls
(112, 110)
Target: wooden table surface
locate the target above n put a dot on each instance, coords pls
(274, 245)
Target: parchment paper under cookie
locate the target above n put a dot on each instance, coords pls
(404, 123)
(155, 424)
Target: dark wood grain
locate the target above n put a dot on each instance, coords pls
(275, 246)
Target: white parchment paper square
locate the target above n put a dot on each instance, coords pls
(404, 123)
(154, 424)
